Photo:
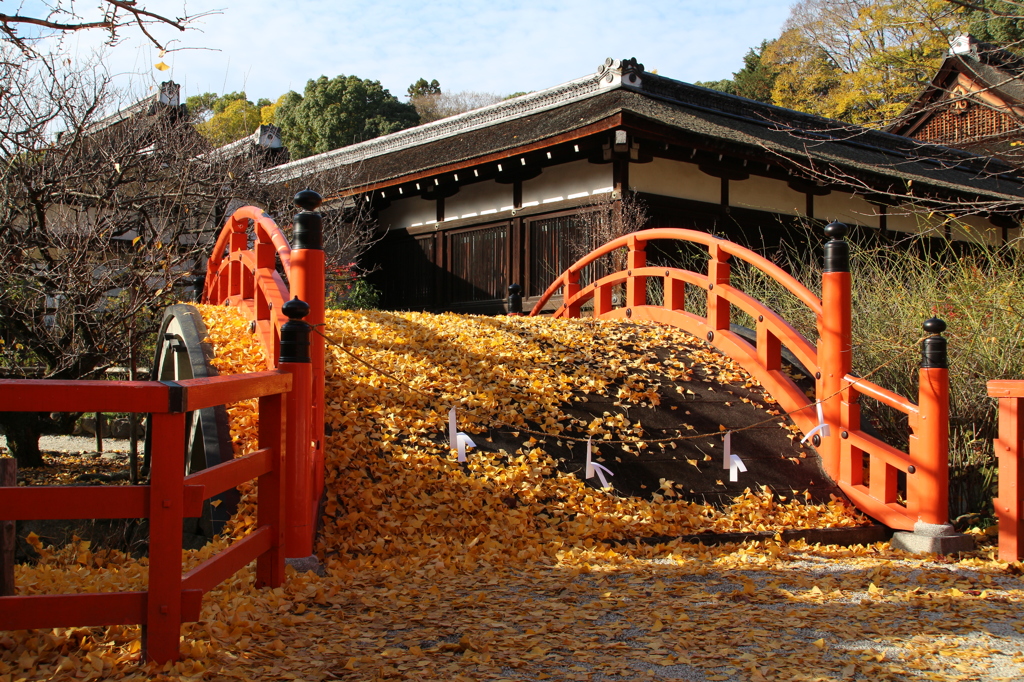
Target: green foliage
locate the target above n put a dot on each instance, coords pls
(895, 289)
(347, 289)
(422, 87)
(725, 85)
(340, 111)
(997, 21)
(756, 79)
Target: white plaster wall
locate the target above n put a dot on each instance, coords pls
(566, 181)
(767, 194)
(481, 198)
(410, 212)
(902, 219)
(675, 179)
(846, 208)
(977, 229)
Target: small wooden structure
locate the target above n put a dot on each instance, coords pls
(975, 102)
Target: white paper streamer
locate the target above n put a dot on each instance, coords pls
(457, 440)
(464, 442)
(595, 468)
(822, 426)
(736, 465)
(727, 450)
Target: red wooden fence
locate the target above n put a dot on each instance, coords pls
(170, 598)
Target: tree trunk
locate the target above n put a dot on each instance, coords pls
(22, 429)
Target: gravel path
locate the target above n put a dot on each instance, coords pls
(77, 444)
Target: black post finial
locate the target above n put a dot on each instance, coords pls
(933, 348)
(837, 250)
(515, 299)
(295, 332)
(309, 225)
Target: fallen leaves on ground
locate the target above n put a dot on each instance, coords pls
(82, 468)
(509, 569)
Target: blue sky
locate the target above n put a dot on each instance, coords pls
(268, 48)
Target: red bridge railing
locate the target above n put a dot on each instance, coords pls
(170, 598)
(245, 275)
(1009, 447)
(842, 451)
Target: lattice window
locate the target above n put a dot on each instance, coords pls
(966, 121)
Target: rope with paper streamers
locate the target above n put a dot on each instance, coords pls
(821, 428)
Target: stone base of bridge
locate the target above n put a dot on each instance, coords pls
(931, 538)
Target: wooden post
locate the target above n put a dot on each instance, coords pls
(928, 484)
(1009, 447)
(271, 501)
(307, 280)
(162, 630)
(636, 287)
(99, 432)
(571, 290)
(719, 272)
(8, 537)
(834, 344)
(300, 474)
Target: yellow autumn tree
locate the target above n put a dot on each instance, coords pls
(236, 120)
(860, 61)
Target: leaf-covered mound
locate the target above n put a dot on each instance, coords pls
(397, 499)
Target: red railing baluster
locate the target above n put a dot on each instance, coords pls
(719, 272)
(636, 285)
(572, 290)
(162, 630)
(270, 491)
(1009, 448)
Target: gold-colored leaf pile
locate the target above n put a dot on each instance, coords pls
(508, 568)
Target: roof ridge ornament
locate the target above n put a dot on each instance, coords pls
(620, 72)
(964, 43)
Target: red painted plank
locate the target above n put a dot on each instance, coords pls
(71, 610)
(41, 395)
(166, 509)
(213, 572)
(221, 390)
(1006, 388)
(74, 502)
(229, 474)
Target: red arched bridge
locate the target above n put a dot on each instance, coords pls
(276, 284)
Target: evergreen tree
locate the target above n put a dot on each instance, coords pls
(336, 112)
(757, 77)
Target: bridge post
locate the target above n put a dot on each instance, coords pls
(636, 287)
(515, 299)
(834, 344)
(1009, 447)
(719, 272)
(300, 458)
(928, 486)
(928, 476)
(572, 289)
(307, 283)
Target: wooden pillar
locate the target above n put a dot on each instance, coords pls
(8, 532)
